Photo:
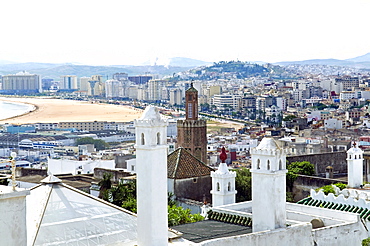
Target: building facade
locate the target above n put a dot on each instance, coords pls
(191, 132)
(21, 83)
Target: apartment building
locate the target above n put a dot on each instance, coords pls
(220, 101)
(84, 126)
(21, 83)
(68, 82)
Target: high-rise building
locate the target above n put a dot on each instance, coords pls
(140, 79)
(191, 132)
(96, 87)
(155, 89)
(175, 96)
(21, 83)
(68, 82)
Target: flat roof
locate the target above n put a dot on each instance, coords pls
(210, 229)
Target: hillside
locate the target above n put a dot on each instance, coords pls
(229, 70)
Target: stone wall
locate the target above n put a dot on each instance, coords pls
(194, 188)
(117, 174)
(335, 159)
(303, 185)
(21, 171)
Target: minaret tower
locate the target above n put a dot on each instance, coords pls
(223, 183)
(268, 186)
(192, 132)
(151, 162)
(355, 163)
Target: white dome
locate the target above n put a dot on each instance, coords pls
(151, 113)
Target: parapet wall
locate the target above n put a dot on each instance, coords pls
(346, 196)
(335, 159)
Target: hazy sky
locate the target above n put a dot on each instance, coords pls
(111, 32)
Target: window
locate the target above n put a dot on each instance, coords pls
(280, 165)
(229, 186)
(158, 138)
(268, 164)
(218, 186)
(142, 139)
(190, 110)
(258, 164)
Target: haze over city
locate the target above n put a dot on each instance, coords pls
(134, 32)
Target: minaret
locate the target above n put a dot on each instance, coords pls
(192, 132)
(151, 162)
(355, 162)
(223, 183)
(268, 186)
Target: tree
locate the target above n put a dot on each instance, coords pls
(105, 184)
(243, 184)
(178, 216)
(289, 117)
(98, 143)
(296, 168)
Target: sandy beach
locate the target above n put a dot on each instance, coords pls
(58, 110)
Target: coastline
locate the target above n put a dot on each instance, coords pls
(50, 110)
(35, 108)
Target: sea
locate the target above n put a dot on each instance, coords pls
(11, 109)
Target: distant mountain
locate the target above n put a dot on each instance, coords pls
(18, 67)
(363, 58)
(359, 62)
(54, 71)
(331, 62)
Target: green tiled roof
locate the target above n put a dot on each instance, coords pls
(230, 218)
(364, 212)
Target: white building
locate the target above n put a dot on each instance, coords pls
(268, 173)
(175, 96)
(151, 178)
(21, 82)
(63, 166)
(220, 101)
(68, 82)
(155, 87)
(355, 163)
(333, 124)
(282, 103)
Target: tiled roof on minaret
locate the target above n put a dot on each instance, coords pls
(181, 164)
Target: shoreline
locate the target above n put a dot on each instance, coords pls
(35, 108)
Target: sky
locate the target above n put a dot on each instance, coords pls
(131, 32)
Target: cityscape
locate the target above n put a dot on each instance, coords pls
(185, 123)
(218, 129)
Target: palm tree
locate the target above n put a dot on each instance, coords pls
(105, 184)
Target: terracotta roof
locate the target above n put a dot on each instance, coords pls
(181, 164)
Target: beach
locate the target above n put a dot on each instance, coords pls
(58, 110)
(49, 110)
